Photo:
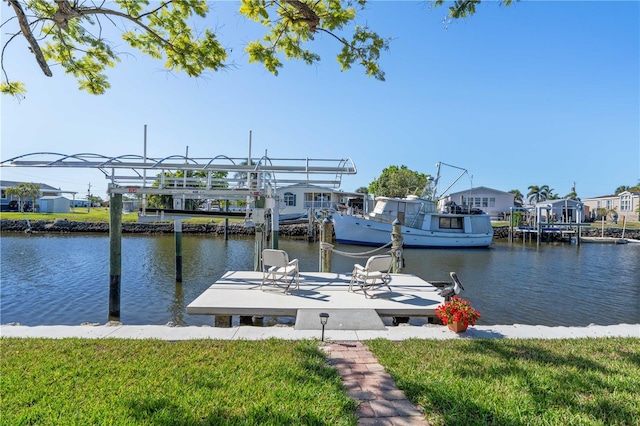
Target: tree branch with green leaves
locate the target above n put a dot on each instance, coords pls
(69, 34)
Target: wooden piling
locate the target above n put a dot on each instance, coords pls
(177, 228)
(396, 247)
(326, 237)
(115, 255)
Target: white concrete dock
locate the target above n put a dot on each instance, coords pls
(239, 293)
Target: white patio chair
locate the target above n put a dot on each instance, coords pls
(277, 268)
(374, 273)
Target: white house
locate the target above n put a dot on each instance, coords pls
(564, 210)
(625, 205)
(298, 200)
(491, 201)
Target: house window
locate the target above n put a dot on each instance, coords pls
(289, 199)
(4, 194)
(450, 223)
(609, 204)
(625, 203)
(485, 202)
(492, 202)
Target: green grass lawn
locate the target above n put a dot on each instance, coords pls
(97, 214)
(274, 382)
(518, 382)
(151, 382)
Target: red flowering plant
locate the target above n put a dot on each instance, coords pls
(457, 309)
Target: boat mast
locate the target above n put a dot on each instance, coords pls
(435, 187)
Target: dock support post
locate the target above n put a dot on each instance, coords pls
(511, 227)
(177, 230)
(275, 222)
(226, 229)
(115, 255)
(326, 237)
(396, 247)
(258, 246)
(311, 235)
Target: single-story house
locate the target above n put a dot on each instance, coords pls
(492, 201)
(625, 205)
(5, 200)
(298, 199)
(564, 210)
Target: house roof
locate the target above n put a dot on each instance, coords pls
(303, 185)
(637, 194)
(559, 201)
(43, 186)
(480, 189)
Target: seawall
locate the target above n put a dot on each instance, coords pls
(235, 228)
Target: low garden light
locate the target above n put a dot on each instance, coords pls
(324, 317)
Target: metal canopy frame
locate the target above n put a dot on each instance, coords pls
(128, 173)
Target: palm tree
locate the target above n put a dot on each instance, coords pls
(621, 188)
(540, 193)
(517, 197)
(25, 191)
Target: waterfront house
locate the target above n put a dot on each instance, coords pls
(624, 204)
(298, 200)
(564, 210)
(6, 200)
(492, 201)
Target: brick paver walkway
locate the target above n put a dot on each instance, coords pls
(380, 402)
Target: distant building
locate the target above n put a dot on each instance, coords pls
(297, 200)
(564, 210)
(48, 193)
(492, 201)
(624, 204)
(54, 204)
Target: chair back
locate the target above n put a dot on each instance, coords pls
(379, 263)
(274, 257)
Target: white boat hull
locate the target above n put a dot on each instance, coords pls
(361, 231)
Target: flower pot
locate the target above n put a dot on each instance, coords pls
(457, 326)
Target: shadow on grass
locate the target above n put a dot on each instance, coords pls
(518, 382)
(162, 412)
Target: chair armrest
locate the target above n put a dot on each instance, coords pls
(358, 267)
(293, 262)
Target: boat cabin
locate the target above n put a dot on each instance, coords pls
(409, 211)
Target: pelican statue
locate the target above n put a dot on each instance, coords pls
(452, 290)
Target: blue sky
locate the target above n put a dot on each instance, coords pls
(539, 93)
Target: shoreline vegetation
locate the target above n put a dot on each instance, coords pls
(97, 220)
(589, 381)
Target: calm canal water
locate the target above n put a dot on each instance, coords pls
(64, 279)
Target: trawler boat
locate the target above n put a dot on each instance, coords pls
(422, 225)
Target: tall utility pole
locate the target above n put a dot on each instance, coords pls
(89, 198)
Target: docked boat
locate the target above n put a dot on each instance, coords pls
(604, 240)
(422, 225)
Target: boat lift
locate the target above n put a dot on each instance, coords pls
(254, 180)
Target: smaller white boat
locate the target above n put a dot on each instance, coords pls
(604, 240)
